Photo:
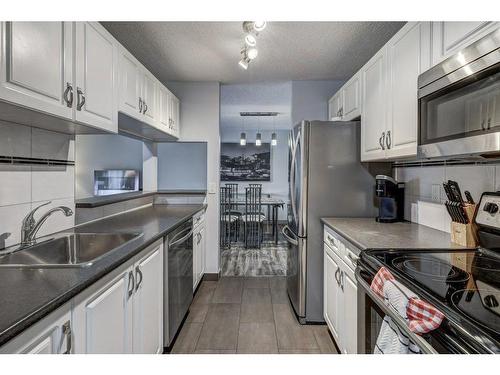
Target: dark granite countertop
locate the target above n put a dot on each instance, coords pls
(99, 201)
(28, 295)
(366, 233)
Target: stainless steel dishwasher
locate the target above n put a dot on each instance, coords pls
(178, 279)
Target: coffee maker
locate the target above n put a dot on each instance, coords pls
(391, 199)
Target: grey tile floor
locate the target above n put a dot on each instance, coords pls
(248, 315)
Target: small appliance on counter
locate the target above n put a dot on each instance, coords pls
(464, 285)
(109, 182)
(391, 199)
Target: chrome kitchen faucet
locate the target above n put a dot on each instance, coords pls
(30, 227)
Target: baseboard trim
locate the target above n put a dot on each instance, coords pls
(211, 277)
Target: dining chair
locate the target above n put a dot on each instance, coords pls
(253, 218)
(234, 208)
(227, 220)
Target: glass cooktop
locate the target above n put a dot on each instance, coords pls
(466, 282)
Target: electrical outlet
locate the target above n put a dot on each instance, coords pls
(436, 192)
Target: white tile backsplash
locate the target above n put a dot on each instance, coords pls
(52, 182)
(15, 184)
(476, 178)
(25, 187)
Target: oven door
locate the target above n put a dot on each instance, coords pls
(371, 313)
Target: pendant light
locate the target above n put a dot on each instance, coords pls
(258, 140)
(274, 140)
(243, 139)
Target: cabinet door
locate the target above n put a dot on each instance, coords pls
(51, 335)
(350, 323)
(149, 96)
(104, 320)
(408, 55)
(148, 304)
(95, 76)
(334, 105)
(37, 65)
(373, 118)
(332, 295)
(130, 85)
(449, 38)
(351, 107)
(164, 118)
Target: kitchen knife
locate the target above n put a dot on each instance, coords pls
(450, 212)
(456, 191)
(468, 196)
(462, 213)
(448, 192)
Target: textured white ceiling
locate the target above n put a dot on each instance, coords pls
(209, 51)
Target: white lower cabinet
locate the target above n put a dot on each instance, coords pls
(125, 315)
(340, 298)
(148, 304)
(51, 335)
(199, 249)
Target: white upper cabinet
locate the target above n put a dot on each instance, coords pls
(130, 77)
(408, 56)
(334, 105)
(374, 110)
(37, 66)
(96, 56)
(149, 98)
(351, 107)
(449, 38)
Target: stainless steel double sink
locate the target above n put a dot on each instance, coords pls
(64, 250)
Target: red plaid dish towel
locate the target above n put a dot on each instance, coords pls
(422, 317)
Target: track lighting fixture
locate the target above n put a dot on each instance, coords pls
(250, 40)
(249, 51)
(244, 62)
(252, 53)
(259, 25)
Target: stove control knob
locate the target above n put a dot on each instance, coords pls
(491, 301)
(492, 208)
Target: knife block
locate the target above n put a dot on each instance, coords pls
(466, 234)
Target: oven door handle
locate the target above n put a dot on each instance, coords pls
(181, 240)
(396, 318)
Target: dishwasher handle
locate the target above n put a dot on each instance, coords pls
(396, 318)
(182, 239)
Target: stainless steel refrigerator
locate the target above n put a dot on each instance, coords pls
(326, 179)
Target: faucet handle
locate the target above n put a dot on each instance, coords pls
(29, 220)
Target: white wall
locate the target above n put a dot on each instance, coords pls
(182, 166)
(199, 120)
(310, 99)
(97, 152)
(24, 187)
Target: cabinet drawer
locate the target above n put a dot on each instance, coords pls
(333, 242)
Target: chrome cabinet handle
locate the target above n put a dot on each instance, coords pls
(388, 139)
(68, 95)
(181, 240)
(145, 108)
(131, 279)
(66, 330)
(140, 105)
(337, 279)
(341, 278)
(352, 259)
(139, 277)
(381, 141)
(80, 103)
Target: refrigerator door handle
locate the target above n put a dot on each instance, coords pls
(292, 176)
(287, 237)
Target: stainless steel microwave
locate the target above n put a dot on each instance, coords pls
(459, 103)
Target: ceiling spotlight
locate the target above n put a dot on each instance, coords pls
(259, 25)
(250, 40)
(274, 140)
(258, 140)
(244, 62)
(252, 53)
(243, 139)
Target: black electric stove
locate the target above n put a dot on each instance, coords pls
(464, 285)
